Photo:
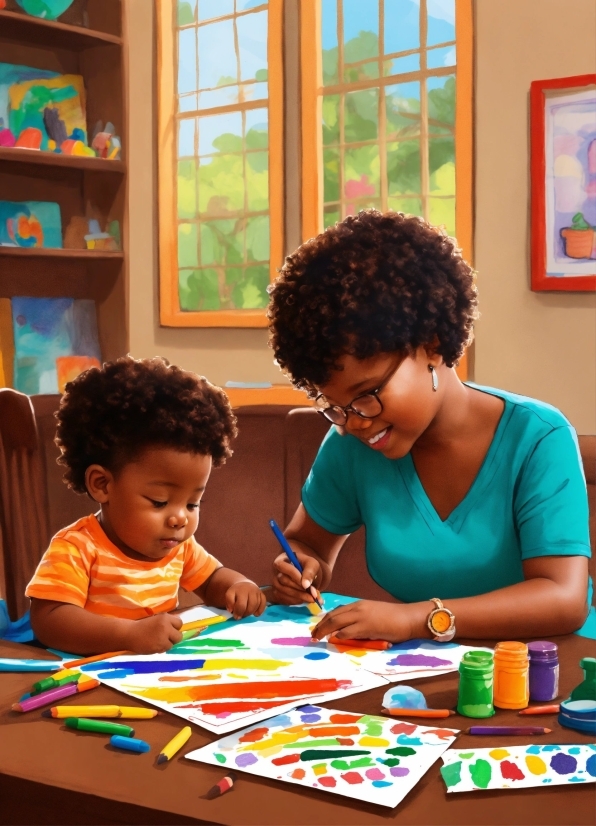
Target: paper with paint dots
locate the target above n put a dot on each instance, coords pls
(356, 755)
(518, 767)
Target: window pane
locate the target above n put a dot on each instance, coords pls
(330, 216)
(329, 38)
(331, 175)
(402, 106)
(222, 242)
(220, 133)
(221, 185)
(441, 21)
(441, 153)
(257, 129)
(257, 238)
(361, 116)
(361, 174)
(188, 254)
(217, 55)
(401, 65)
(257, 181)
(402, 25)
(186, 138)
(410, 206)
(330, 119)
(437, 58)
(188, 103)
(187, 61)
(215, 8)
(187, 12)
(252, 43)
(364, 71)
(403, 168)
(250, 288)
(223, 96)
(187, 189)
(441, 100)
(361, 29)
(198, 290)
(441, 213)
(244, 5)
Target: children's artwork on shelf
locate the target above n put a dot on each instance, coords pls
(86, 233)
(55, 339)
(105, 142)
(518, 767)
(357, 755)
(30, 224)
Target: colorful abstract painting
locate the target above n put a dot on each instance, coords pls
(518, 767)
(47, 330)
(357, 755)
(30, 224)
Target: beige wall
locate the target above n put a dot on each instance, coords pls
(538, 344)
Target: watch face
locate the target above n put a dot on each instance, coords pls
(440, 621)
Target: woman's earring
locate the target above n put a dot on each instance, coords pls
(434, 377)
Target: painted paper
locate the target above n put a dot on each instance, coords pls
(518, 767)
(47, 332)
(356, 755)
(30, 224)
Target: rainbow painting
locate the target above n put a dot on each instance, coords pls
(518, 767)
(357, 755)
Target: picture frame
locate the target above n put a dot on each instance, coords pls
(563, 183)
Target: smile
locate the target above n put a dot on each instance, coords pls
(379, 439)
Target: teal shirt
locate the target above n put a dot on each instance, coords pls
(529, 499)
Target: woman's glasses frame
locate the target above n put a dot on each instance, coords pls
(338, 415)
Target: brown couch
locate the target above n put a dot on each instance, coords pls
(272, 456)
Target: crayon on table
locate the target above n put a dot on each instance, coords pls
(54, 694)
(202, 623)
(121, 712)
(551, 709)
(192, 632)
(13, 665)
(419, 712)
(54, 681)
(175, 744)
(376, 645)
(292, 557)
(224, 785)
(509, 730)
(96, 658)
(129, 744)
(98, 726)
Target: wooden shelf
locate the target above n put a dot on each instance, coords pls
(52, 33)
(36, 157)
(276, 394)
(49, 252)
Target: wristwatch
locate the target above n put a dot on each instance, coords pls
(441, 622)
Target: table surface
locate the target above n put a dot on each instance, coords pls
(49, 774)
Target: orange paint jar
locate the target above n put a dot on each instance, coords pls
(512, 669)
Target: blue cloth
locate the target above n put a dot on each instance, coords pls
(529, 499)
(19, 631)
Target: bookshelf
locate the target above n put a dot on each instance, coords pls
(77, 184)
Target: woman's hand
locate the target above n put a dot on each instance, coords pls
(367, 620)
(289, 586)
(244, 598)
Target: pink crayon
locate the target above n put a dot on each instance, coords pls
(48, 697)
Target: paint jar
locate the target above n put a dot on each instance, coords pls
(579, 715)
(587, 689)
(511, 675)
(475, 697)
(544, 670)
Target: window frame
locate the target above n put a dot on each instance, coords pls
(312, 92)
(170, 314)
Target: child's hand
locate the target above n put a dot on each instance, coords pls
(290, 587)
(244, 598)
(155, 634)
(366, 620)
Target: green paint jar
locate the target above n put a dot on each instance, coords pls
(476, 675)
(587, 689)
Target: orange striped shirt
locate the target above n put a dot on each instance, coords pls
(83, 567)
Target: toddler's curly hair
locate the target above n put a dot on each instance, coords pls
(108, 416)
(372, 283)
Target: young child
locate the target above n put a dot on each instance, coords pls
(140, 438)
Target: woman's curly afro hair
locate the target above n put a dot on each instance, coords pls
(373, 283)
(108, 416)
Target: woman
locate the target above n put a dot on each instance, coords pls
(473, 499)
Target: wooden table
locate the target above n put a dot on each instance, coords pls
(51, 775)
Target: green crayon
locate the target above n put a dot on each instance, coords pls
(99, 726)
(52, 682)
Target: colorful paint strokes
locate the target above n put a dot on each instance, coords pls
(30, 224)
(357, 755)
(518, 767)
(48, 333)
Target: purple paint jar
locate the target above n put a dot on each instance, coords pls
(544, 670)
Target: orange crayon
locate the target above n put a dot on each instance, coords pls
(552, 709)
(95, 659)
(376, 645)
(419, 712)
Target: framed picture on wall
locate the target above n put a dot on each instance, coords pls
(563, 171)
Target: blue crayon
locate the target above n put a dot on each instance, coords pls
(129, 744)
(11, 665)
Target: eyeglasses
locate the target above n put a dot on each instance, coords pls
(367, 406)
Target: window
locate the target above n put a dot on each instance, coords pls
(386, 91)
(220, 159)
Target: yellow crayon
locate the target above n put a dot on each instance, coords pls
(123, 712)
(175, 744)
(64, 672)
(188, 626)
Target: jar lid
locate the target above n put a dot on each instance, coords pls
(511, 649)
(542, 650)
